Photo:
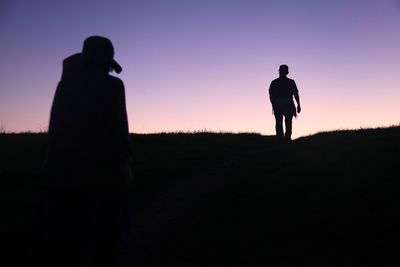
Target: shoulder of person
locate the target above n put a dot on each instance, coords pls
(275, 81)
(115, 81)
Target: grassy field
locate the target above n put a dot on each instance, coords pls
(330, 199)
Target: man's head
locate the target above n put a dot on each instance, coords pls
(101, 51)
(283, 70)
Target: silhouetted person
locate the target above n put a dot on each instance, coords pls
(87, 168)
(281, 93)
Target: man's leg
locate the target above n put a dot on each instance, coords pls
(278, 125)
(288, 124)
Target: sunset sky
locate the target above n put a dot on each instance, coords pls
(207, 64)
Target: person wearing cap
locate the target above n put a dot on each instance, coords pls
(281, 93)
(88, 161)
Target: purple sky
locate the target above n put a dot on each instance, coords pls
(195, 65)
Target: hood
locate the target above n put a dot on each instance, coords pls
(73, 67)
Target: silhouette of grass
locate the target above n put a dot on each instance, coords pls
(327, 199)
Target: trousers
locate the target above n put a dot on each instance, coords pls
(279, 125)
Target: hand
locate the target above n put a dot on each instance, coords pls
(298, 109)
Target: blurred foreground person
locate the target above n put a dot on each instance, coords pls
(281, 93)
(88, 164)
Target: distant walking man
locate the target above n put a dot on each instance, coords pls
(281, 92)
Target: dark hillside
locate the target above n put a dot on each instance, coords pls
(325, 200)
(330, 199)
(164, 159)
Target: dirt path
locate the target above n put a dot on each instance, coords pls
(174, 202)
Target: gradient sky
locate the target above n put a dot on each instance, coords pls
(207, 64)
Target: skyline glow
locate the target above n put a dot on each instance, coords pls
(194, 65)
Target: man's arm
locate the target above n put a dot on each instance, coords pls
(297, 97)
(123, 133)
(271, 94)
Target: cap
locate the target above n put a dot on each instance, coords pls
(101, 49)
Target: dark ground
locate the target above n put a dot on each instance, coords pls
(331, 199)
